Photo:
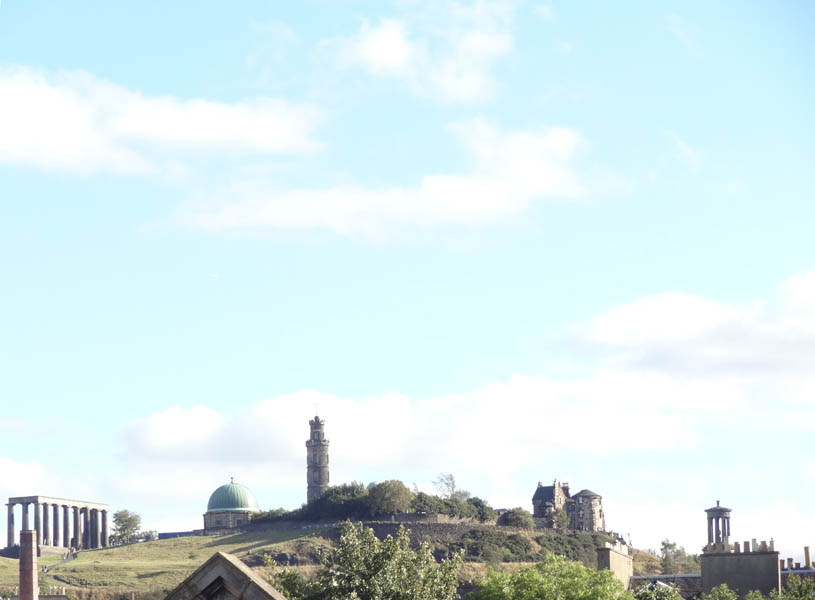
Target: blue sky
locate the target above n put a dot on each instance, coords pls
(515, 241)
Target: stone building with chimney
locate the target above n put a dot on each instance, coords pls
(584, 510)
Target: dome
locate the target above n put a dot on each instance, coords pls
(233, 496)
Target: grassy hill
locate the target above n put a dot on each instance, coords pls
(161, 565)
(150, 569)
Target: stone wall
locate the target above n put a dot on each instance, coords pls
(616, 559)
(226, 519)
(741, 571)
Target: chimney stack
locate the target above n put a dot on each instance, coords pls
(807, 559)
(29, 586)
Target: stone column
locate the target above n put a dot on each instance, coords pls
(29, 588)
(66, 530)
(25, 515)
(77, 528)
(10, 525)
(718, 530)
(95, 528)
(710, 530)
(46, 528)
(55, 525)
(86, 522)
(37, 524)
(104, 529)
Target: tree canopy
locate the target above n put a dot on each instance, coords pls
(556, 578)
(355, 501)
(126, 526)
(365, 568)
(389, 497)
(674, 559)
(517, 517)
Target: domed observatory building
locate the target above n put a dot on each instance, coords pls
(229, 507)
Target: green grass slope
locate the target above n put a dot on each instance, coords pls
(161, 565)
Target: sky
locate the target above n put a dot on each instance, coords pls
(512, 241)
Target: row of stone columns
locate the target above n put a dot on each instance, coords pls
(718, 528)
(88, 532)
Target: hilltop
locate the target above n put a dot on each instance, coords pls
(152, 568)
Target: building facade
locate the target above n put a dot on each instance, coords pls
(583, 511)
(316, 460)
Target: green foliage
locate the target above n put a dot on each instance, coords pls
(493, 546)
(754, 595)
(483, 511)
(675, 560)
(721, 592)
(355, 501)
(657, 593)
(560, 519)
(389, 497)
(291, 584)
(268, 515)
(517, 517)
(553, 579)
(345, 501)
(365, 568)
(797, 588)
(574, 545)
(126, 527)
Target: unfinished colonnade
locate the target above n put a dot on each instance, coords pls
(61, 523)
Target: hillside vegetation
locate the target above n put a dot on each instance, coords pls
(150, 569)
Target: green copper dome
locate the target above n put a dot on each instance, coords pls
(233, 496)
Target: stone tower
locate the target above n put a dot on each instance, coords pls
(316, 460)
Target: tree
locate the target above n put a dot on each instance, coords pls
(517, 517)
(676, 560)
(126, 527)
(721, 592)
(657, 592)
(345, 501)
(556, 578)
(483, 511)
(797, 588)
(446, 484)
(389, 497)
(560, 519)
(365, 568)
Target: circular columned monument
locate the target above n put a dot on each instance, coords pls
(230, 506)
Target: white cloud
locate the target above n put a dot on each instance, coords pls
(511, 170)
(607, 425)
(445, 50)
(685, 333)
(563, 48)
(75, 122)
(382, 49)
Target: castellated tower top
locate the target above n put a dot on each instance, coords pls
(316, 460)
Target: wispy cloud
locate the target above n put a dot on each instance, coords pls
(682, 31)
(544, 11)
(77, 123)
(511, 169)
(687, 152)
(444, 50)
